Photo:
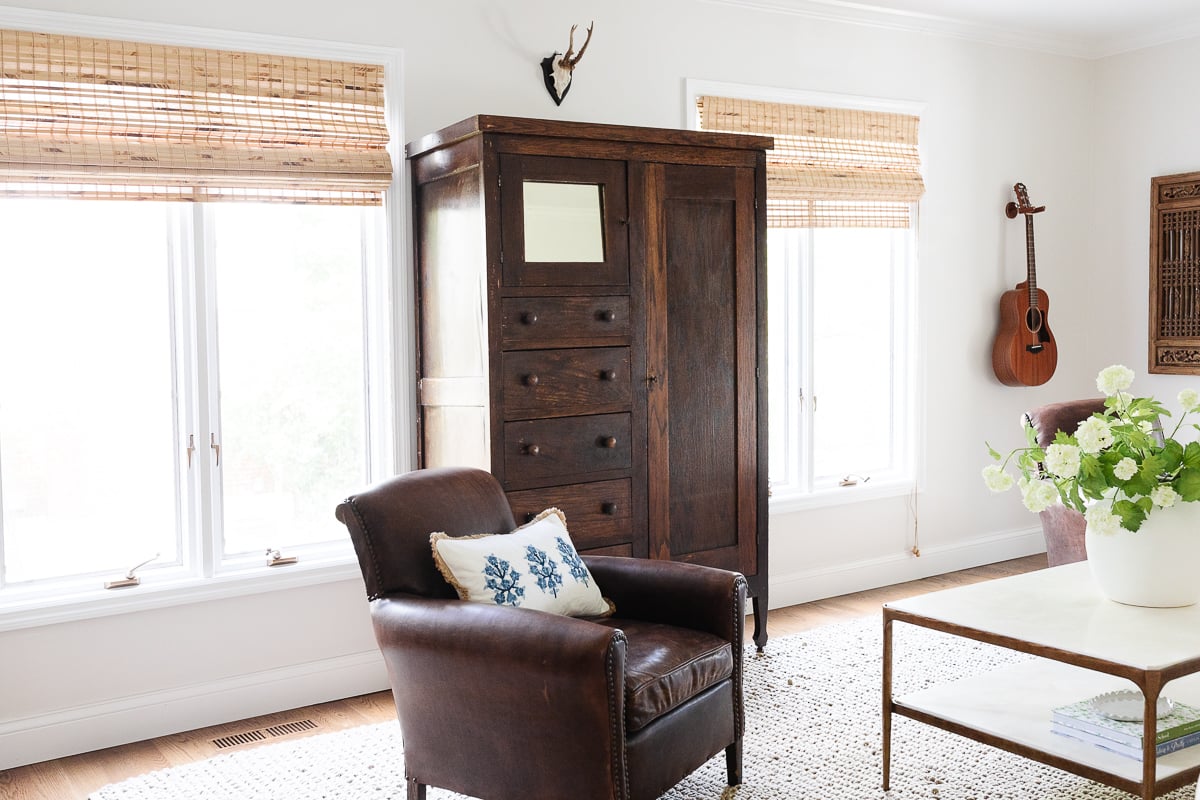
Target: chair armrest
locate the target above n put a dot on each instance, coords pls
(674, 593)
(501, 683)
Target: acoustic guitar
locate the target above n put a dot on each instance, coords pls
(1024, 353)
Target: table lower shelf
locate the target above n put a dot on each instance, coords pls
(1014, 704)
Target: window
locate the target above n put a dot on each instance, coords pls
(192, 385)
(840, 330)
(842, 185)
(203, 403)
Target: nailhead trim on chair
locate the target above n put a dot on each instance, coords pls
(368, 541)
(739, 622)
(617, 725)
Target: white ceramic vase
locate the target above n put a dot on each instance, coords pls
(1159, 565)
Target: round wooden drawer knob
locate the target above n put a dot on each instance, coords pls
(608, 315)
(608, 375)
(532, 450)
(609, 442)
(529, 317)
(609, 508)
(530, 516)
(531, 380)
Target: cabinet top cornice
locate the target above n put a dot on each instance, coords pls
(521, 126)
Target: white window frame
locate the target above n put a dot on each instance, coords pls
(388, 296)
(804, 495)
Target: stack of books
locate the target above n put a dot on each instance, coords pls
(1176, 730)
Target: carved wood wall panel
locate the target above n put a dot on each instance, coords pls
(1175, 274)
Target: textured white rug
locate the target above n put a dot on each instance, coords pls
(813, 733)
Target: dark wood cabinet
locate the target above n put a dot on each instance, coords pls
(591, 329)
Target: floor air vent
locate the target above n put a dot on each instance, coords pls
(262, 734)
(288, 728)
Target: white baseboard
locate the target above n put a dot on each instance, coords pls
(817, 584)
(146, 716)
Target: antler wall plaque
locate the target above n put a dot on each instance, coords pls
(559, 68)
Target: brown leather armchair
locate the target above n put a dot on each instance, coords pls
(516, 704)
(1062, 525)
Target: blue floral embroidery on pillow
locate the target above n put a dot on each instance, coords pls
(504, 581)
(571, 559)
(541, 565)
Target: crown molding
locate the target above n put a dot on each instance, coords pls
(868, 15)
(1116, 45)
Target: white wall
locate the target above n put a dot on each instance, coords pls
(993, 116)
(1145, 127)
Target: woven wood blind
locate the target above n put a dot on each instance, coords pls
(830, 167)
(103, 119)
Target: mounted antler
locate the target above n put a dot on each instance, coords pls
(568, 63)
(558, 71)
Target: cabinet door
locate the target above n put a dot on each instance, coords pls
(563, 221)
(702, 347)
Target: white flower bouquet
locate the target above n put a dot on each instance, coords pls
(1115, 468)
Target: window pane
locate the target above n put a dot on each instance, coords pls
(87, 430)
(853, 324)
(292, 386)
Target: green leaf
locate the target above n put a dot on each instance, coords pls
(1188, 484)
(1031, 436)
(1171, 455)
(1131, 514)
(1141, 483)
(1152, 467)
(993, 452)
(1191, 455)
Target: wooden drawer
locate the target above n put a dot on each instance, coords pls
(598, 514)
(560, 383)
(551, 448)
(563, 321)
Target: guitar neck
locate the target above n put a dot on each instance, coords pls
(1030, 269)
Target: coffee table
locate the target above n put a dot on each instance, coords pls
(1085, 643)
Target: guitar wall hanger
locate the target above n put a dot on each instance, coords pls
(1013, 209)
(1024, 352)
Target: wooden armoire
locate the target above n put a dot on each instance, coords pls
(591, 329)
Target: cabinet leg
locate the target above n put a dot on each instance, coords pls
(759, 604)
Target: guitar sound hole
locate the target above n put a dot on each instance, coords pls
(1033, 320)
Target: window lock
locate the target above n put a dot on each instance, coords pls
(130, 579)
(274, 559)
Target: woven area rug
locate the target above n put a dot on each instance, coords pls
(813, 733)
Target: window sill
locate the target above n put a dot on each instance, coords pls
(840, 495)
(37, 610)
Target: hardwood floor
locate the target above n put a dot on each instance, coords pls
(74, 777)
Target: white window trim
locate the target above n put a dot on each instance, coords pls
(389, 291)
(910, 438)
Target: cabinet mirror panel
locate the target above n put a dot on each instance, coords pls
(563, 222)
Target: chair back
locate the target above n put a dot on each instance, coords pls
(390, 524)
(1049, 419)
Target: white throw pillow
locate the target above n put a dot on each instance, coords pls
(536, 566)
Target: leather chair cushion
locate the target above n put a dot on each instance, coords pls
(665, 666)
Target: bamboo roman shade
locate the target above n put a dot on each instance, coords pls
(831, 167)
(103, 119)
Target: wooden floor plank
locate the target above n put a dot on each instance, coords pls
(74, 777)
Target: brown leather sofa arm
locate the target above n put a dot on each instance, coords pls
(674, 593)
(502, 683)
